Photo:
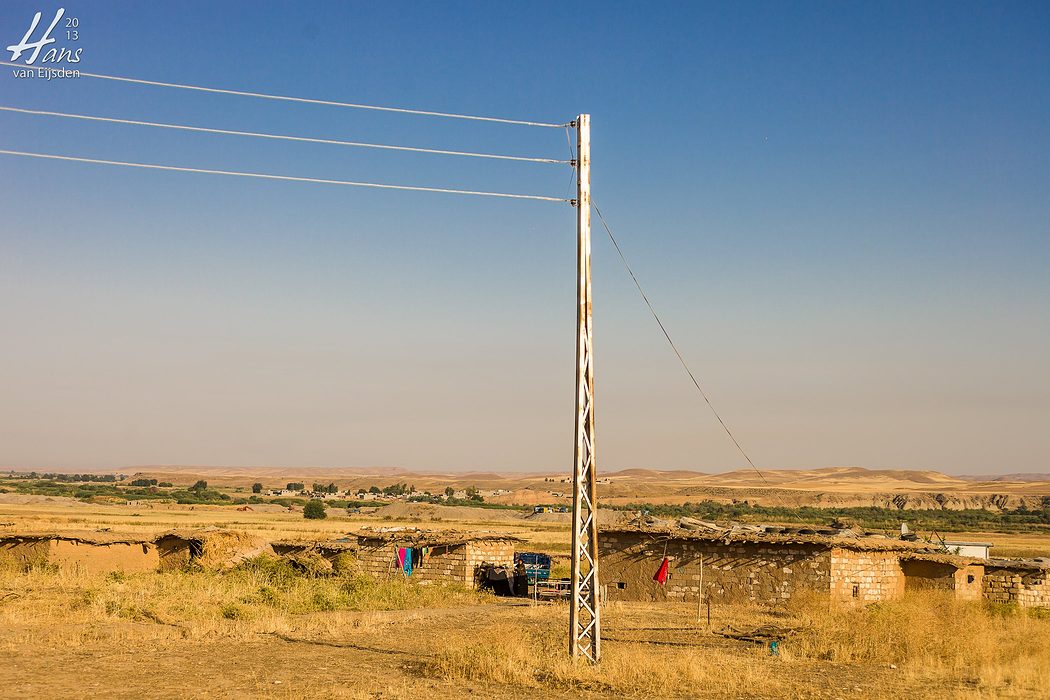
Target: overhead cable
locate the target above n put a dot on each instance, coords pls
(283, 137)
(304, 100)
(290, 178)
(674, 347)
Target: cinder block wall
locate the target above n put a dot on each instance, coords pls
(865, 576)
(738, 572)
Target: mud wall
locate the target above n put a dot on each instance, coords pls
(176, 552)
(928, 575)
(739, 572)
(969, 582)
(101, 558)
(24, 554)
(76, 555)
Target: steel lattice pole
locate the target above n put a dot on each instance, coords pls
(584, 622)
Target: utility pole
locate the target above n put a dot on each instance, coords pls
(584, 625)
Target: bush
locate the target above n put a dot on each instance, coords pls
(314, 510)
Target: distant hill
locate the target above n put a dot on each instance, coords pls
(1025, 477)
(845, 486)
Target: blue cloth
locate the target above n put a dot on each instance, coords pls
(408, 562)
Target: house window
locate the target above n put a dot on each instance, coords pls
(969, 578)
(621, 585)
(856, 591)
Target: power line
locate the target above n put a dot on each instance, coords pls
(290, 178)
(305, 100)
(674, 347)
(305, 139)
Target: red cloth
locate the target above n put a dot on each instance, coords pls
(661, 575)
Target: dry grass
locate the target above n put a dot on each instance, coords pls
(982, 647)
(926, 645)
(525, 660)
(264, 594)
(263, 611)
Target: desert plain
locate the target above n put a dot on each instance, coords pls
(257, 627)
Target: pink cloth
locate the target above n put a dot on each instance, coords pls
(401, 557)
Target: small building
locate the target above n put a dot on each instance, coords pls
(436, 555)
(770, 565)
(103, 552)
(977, 550)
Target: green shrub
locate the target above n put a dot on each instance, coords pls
(314, 510)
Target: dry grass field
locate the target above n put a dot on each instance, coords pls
(264, 629)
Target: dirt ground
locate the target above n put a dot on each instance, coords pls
(385, 654)
(382, 660)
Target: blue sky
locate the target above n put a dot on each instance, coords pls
(841, 210)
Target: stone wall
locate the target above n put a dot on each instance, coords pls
(1029, 588)
(736, 572)
(499, 552)
(864, 576)
(451, 563)
(769, 573)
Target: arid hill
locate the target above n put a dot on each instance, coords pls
(828, 487)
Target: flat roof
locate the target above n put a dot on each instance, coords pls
(844, 539)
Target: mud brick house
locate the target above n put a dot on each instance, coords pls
(95, 552)
(770, 565)
(436, 555)
(87, 552)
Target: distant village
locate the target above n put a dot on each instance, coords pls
(394, 492)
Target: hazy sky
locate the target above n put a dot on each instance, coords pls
(842, 211)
